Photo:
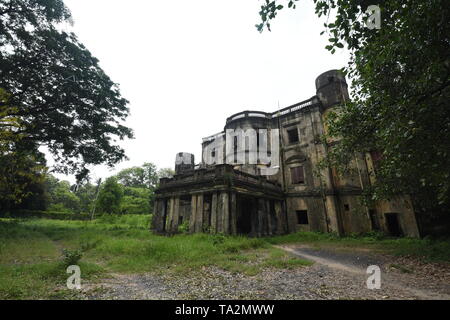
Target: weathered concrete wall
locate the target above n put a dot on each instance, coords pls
(332, 201)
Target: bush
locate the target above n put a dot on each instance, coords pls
(218, 239)
(20, 214)
(184, 227)
(71, 257)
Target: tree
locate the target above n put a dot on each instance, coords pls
(63, 99)
(140, 184)
(136, 201)
(132, 177)
(139, 177)
(86, 193)
(166, 173)
(151, 172)
(110, 196)
(22, 167)
(61, 197)
(400, 93)
(22, 172)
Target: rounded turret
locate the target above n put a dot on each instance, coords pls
(331, 88)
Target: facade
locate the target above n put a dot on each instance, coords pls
(260, 177)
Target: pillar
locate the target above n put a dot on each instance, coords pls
(175, 214)
(261, 213)
(199, 214)
(223, 216)
(268, 218)
(193, 216)
(280, 218)
(214, 213)
(233, 213)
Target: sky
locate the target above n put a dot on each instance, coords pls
(185, 66)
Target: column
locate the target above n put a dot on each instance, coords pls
(226, 212)
(199, 214)
(278, 214)
(214, 213)
(268, 219)
(175, 214)
(233, 213)
(193, 213)
(261, 212)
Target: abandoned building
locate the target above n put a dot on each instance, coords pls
(232, 191)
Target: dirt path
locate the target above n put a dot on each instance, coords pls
(417, 284)
(334, 275)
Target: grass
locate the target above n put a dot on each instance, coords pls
(431, 250)
(32, 267)
(32, 264)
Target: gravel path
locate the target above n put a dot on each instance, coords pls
(334, 275)
(407, 276)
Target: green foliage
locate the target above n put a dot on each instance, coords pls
(62, 198)
(269, 11)
(110, 196)
(135, 201)
(145, 176)
(126, 221)
(166, 173)
(21, 180)
(86, 194)
(71, 257)
(22, 166)
(218, 239)
(52, 79)
(48, 214)
(124, 244)
(184, 227)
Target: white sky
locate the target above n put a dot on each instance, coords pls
(185, 66)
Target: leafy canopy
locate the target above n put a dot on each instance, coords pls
(63, 99)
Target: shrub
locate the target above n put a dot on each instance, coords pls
(218, 239)
(71, 257)
(184, 227)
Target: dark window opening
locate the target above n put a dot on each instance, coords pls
(293, 135)
(213, 153)
(346, 207)
(297, 175)
(180, 220)
(302, 217)
(393, 225)
(273, 218)
(245, 208)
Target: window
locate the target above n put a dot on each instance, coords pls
(302, 217)
(213, 153)
(293, 135)
(297, 175)
(180, 220)
(347, 207)
(393, 224)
